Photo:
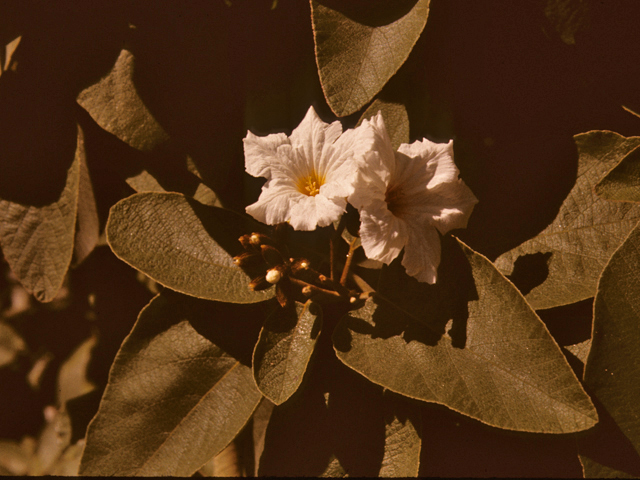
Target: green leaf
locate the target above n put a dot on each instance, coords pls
(260, 420)
(206, 196)
(606, 451)
(69, 462)
(72, 377)
(11, 344)
(284, 348)
(580, 350)
(174, 397)
(146, 182)
(183, 245)
(339, 424)
(38, 241)
(7, 53)
(88, 224)
(613, 366)
(622, 183)
(396, 120)
(14, 458)
(593, 469)
(470, 342)
(356, 57)
(114, 104)
(402, 441)
(586, 231)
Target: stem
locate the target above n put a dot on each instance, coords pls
(347, 265)
(332, 257)
(333, 245)
(302, 283)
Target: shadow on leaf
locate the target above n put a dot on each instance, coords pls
(374, 13)
(231, 327)
(608, 445)
(419, 311)
(224, 226)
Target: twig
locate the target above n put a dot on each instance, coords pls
(347, 265)
(337, 233)
(302, 283)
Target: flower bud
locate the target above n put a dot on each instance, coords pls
(273, 276)
(245, 259)
(245, 240)
(259, 283)
(271, 255)
(299, 265)
(254, 239)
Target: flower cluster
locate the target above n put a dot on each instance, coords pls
(404, 197)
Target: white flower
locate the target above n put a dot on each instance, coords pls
(309, 174)
(405, 198)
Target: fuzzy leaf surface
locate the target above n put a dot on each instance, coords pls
(174, 397)
(72, 377)
(357, 57)
(37, 241)
(114, 104)
(622, 183)
(402, 440)
(340, 424)
(593, 469)
(396, 120)
(284, 348)
(496, 362)
(88, 229)
(184, 245)
(586, 231)
(613, 365)
(146, 182)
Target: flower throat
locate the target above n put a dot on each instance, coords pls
(310, 185)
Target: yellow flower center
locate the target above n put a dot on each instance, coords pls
(310, 185)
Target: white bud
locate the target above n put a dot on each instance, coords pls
(254, 239)
(273, 275)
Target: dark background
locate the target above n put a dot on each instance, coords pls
(510, 82)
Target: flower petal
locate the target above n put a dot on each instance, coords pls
(422, 253)
(382, 234)
(340, 182)
(315, 138)
(382, 143)
(450, 206)
(426, 163)
(376, 165)
(353, 143)
(431, 187)
(260, 153)
(292, 165)
(309, 212)
(273, 204)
